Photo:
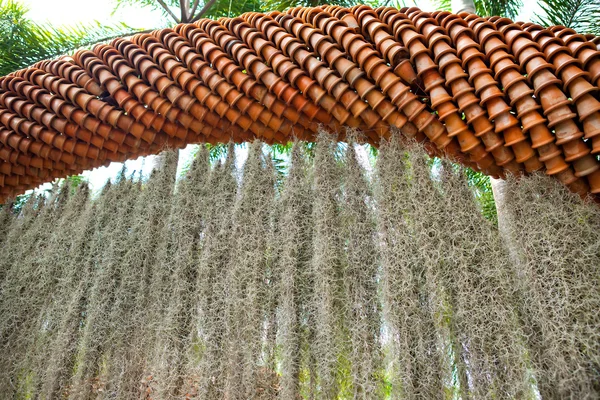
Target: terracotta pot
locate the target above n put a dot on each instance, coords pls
(92, 132)
(317, 70)
(227, 92)
(352, 74)
(227, 68)
(274, 84)
(574, 79)
(583, 49)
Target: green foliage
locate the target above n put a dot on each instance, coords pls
(400, 3)
(482, 186)
(74, 182)
(581, 15)
(282, 149)
(230, 8)
(443, 5)
(281, 5)
(488, 8)
(216, 151)
(24, 42)
(192, 10)
(19, 202)
(280, 155)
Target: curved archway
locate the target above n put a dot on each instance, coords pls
(492, 94)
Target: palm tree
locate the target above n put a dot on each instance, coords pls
(580, 15)
(24, 42)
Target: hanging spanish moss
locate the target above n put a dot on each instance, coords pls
(54, 262)
(415, 356)
(320, 279)
(69, 299)
(292, 277)
(14, 230)
(480, 296)
(132, 311)
(178, 257)
(326, 267)
(361, 304)
(105, 270)
(558, 270)
(269, 382)
(206, 356)
(26, 279)
(460, 316)
(6, 220)
(245, 282)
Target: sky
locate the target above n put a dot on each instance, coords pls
(65, 12)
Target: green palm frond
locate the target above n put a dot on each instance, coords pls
(24, 42)
(282, 149)
(282, 5)
(396, 3)
(581, 15)
(232, 8)
(217, 151)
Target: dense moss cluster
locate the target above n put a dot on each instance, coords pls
(330, 280)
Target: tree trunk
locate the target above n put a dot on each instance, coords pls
(499, 190)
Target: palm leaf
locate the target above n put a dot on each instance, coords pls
(581, 15)
(24, 42)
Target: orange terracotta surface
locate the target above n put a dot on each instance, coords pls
(498, 96)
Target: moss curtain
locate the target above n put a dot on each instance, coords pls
(327, 281)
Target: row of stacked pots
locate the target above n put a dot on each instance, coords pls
(498, 96)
